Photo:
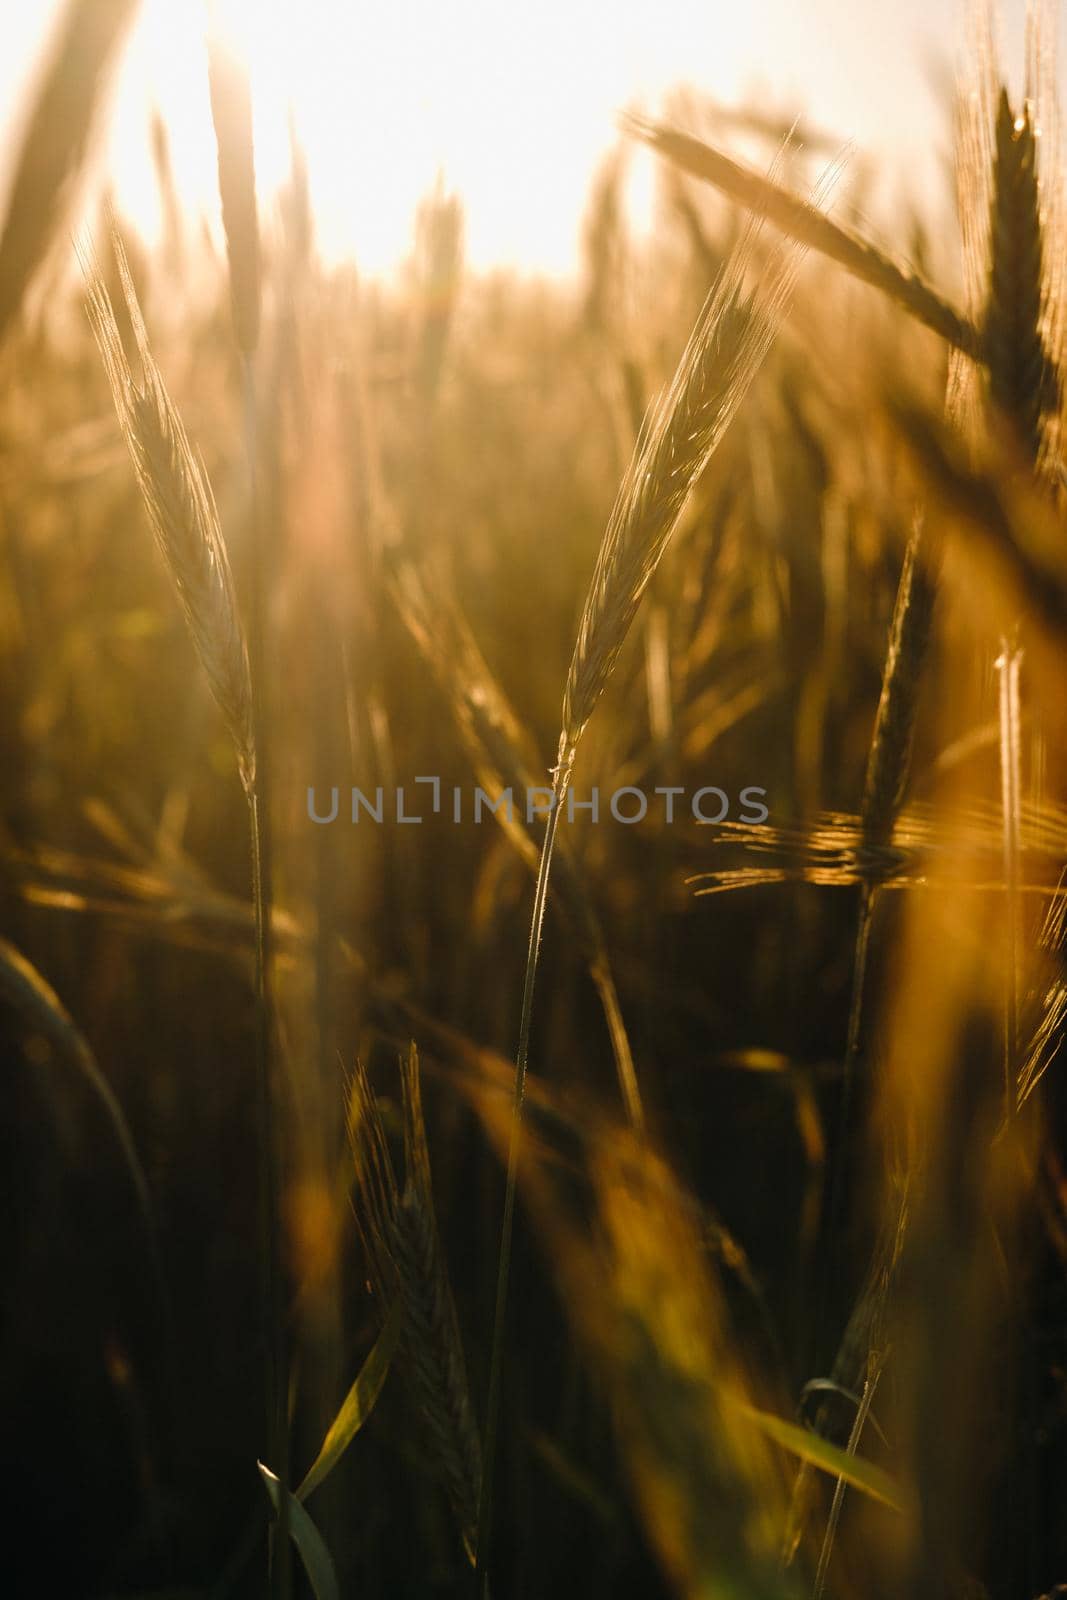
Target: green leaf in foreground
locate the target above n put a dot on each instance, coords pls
(818, 1452)
(357, 1405)
(318, 1563)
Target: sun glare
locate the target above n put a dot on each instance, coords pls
(513, 106)
(500, 103)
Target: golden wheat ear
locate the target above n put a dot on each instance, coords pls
(724, 353)
(181, 509)
(1023, 381)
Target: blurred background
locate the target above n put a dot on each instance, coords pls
(463, 292)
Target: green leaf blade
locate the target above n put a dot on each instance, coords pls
(357, 1405)
(818, 1452)
(318, 1563)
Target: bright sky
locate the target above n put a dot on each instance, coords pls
(514, 102)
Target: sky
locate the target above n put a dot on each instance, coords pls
(515, 104)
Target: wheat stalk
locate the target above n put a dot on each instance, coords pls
(1022, 384)
(1025, 390)
(231, 112)
(888, 765)
(53, 149)
(724, 352)
(502, 754)
(181, 509)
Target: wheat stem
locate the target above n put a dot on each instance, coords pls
(1008, 665)
(272, 1284)
(501, 751)
(561, 782)
(725, 350)
(836, 1504)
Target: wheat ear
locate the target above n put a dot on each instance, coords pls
(1022, 377)
(1024, 388)
(680, 435)
(399, 1231)
(182, 512)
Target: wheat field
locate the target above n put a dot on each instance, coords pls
(532, 847)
